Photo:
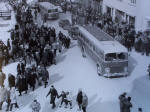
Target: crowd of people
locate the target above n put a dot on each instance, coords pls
(121, 31)
(36, 47)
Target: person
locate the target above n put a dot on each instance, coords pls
(122, 98)
(139, 109)
(4, 96)
(127, 104)
(45, 77)
(54, 94)
(22, 84)
(8, 44)
(148, 71)
(32, 79)
(83, 51)
(13, 99)
(63, 96)
(11, 80)
(79, 99)
(2, 78)
(36, 107)
(68, 99)
(84, 102)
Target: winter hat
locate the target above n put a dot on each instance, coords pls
(124, 94)
(80, 90)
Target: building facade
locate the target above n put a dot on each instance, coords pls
(136, 12)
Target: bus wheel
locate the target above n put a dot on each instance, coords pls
(99, 70)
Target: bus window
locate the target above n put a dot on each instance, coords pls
(110, 57)
(122, 56)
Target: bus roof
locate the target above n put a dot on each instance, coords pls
(98, 33)
(47, 5)
(108, 46)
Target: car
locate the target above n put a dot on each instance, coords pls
(65, 24)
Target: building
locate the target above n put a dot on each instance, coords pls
(135, 12)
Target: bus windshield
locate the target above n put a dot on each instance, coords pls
(116, 56)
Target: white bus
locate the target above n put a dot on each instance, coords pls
(48, 10)
(110, 56)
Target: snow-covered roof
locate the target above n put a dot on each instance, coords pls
(47, 5)
(105, 46)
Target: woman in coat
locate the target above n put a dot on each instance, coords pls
(2, 79)
(84, 102)
(22, 84)
(79, 99)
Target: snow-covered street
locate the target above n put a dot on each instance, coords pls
(73, 72)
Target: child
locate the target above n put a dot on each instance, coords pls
(13, 99)
(68, 99)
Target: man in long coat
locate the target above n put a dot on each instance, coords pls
(54, 94)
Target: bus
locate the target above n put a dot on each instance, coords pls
(48, 10)
(110, 56)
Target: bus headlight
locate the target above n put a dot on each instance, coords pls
(107, 70)
(125, 69)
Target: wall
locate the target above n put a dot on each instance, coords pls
(122, 5)
(143, 13)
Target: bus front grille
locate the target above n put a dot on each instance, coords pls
(116, 69)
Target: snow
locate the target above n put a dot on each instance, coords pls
(73, 72)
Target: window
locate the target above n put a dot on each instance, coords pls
(133, 1)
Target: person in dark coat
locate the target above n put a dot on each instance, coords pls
(11, 80)
(45, 77)
(22, 84)
(32, 79)
(79, 99)
(53, 94)
(122, 98)
(127, 105)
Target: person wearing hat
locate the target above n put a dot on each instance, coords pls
(53, 94)
(36, 107)
(122, 98)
